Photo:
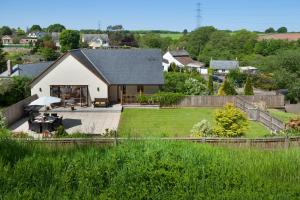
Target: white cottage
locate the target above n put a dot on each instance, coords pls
(181, 58)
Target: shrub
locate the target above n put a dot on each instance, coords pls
(61, 132)
(248, 90)
(162, 98)
(175, 81)
(2, 121)
(230, 121)
(194, 87)
(226, 89)
(202, 129)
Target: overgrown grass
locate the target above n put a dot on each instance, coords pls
(171, 122)
(285, 117)
(149, 170)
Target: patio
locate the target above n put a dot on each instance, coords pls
(79, 122)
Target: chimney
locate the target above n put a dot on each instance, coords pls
(9, 67)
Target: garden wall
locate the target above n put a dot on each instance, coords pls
(272, 101)
(16, 111)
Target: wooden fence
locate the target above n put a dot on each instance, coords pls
(256, 114)
(265, 143)
(271, 101)
(16, 111)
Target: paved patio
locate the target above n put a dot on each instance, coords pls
(82, 122)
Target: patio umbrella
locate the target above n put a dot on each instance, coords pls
(45, 101)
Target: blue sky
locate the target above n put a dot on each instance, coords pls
(152, 14)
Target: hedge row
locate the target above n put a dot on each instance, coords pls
(162, 98)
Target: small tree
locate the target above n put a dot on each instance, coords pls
(226, 89)
(248, 89)
(210, 85)
(230, 121)
(69, 39)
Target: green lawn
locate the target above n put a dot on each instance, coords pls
(283, 115)
(174, 36)
(171, 122)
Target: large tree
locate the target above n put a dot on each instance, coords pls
(270, 30)
(35, 28)
(55, 28)
(69, 39)
(197, 40)
(2, 60)
(5, 30)
(282, 30)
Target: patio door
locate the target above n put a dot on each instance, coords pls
(71, 94)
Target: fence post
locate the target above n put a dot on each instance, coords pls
(286, 142)
(116, 138)
(257, 114)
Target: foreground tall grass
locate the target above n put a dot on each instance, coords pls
(148, 170)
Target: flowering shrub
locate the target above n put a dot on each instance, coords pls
(202, 129)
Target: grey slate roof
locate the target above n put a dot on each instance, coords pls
(28, 70)
(224, 64)
(125, 66)
(179, 53)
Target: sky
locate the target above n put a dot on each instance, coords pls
(176, 15)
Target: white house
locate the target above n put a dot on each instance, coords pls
(36, 35)
(95, 40)
(114, 74)
(248, 70)
(181, 58)
(224, 66)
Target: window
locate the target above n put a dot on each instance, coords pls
(140, 89)
(124, 89)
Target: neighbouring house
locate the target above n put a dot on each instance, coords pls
(7, 40)
(26, 70)
(28, 41)
(95, 40)
(248, 70)
(36, 35)
(181, 58)
(280, 36)
(55, 38)
(117, 75)
(223, 67)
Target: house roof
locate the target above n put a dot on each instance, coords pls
(179, 53)
(121, 66)
(224, 64)
(28, 70)
(127, 66)
(94, 37)
(188, 61)
(280, 36)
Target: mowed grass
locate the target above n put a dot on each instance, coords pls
(285, 117)
(171, 122)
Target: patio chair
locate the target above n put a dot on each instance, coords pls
(100, 102)
(36, 127)
(54, 115)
